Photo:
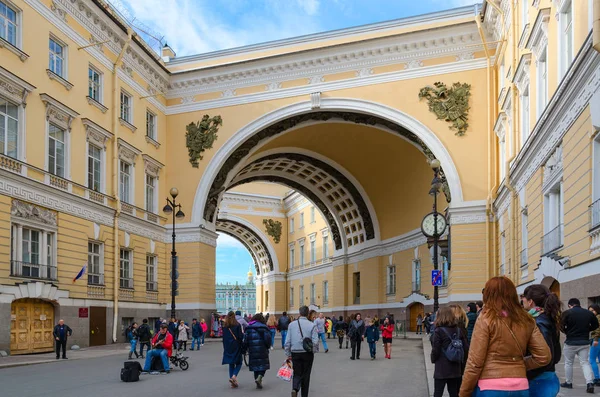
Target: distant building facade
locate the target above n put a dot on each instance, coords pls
(237, 297)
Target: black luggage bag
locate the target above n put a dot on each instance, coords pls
(131, 371)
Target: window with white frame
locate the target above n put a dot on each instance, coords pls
(151, 125)
(416, 275)
(524, 102)
(150, 194)
(291, 225)
(301, 303)
(9, 128)
(325, 292)
(8, 23)
(312, 215)
(126, 107)
(151, 273)
(301, 220)
(95, 268)
(292, 256)
(313, 249)
(445, 270)
(94, 168)
(313, 294)
(126, 269)
(56, 150)
(553, 218)
(325, 247)
(524, 13)
(524, 238)
(391, 280)
(542, 82)
(125, 171)
(95, 84)
(595, 209)
(33, 253)
(501, 76)
(291, 296)
(502, 156)
(565, 37)
(56, 57)
(301, 244)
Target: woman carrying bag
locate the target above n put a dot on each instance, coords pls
(232, 347)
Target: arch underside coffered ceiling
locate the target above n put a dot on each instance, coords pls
(263, 261)
(340, 201)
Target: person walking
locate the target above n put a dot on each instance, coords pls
(241, 320)
(282, 325)
(420, 324)
(372, 334)
(320, 323)
(196, 334)
(233, 338)
(302, 359)
(472, 316)
(448, 369)
(157, 325)
(387, 332)
(204, 330)
(595, 348)
(544, 306)
(357, 335)
(427, 323)
(144, 336)
(479, 307)
(505, 344)
(272, 325)
(577, 323)
(340, 330)
(328, 327)
(132, 337)
(61, 333)
(258, 343)
(162, 347)
(182, 335)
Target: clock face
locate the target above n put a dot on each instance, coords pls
(428, 225)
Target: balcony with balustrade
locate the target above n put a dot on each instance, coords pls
(33, 270)
(552, 240)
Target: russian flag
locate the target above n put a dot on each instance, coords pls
(81, 273)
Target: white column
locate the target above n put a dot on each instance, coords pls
(227, 301)
(247, 302)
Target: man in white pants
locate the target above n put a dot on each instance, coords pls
(577, 323)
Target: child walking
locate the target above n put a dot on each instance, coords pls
(372, 338)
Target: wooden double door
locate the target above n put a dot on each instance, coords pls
(415, 310)
(31, 326)
(97, 326)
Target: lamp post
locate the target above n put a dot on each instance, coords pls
(169, 209)
(434, 224)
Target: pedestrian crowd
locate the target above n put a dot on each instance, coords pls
(509, 345)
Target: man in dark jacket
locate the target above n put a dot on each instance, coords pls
(577, 323)
(282, 326)
(143, 333)
(258, 343)
(196, 333)
(61, 333)
(157, 324)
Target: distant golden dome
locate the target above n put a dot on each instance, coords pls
(250, 274)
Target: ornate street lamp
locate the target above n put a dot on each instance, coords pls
(168, 210)
(434, 224)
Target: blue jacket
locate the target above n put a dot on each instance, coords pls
(196, 330)
(232, 347)
(258, 342)
(372, 334)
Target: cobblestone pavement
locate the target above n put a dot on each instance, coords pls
(333, 374)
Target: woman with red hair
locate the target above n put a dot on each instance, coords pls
(504, 333)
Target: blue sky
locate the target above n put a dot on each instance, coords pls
(233, 260)
(197, 26)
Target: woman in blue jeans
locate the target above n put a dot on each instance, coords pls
(232, 347)
(132, 336)
(545, 307)
(272, 325)
(595, 347)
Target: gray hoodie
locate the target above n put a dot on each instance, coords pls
(293, 341)
(240, 319)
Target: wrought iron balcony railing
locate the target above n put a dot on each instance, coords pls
(552, 240)
(33, 270)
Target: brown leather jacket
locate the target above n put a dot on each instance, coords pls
(494, 353)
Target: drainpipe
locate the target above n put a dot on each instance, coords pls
(115, 185)
(597, 25)
(489, 148)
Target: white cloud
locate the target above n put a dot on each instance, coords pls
(311, 7)
(226, 241)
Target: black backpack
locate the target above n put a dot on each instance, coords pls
(454, 352)
(131, 371)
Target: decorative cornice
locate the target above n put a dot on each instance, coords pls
(58, 113)
(96, 104)
(538, 39)
(152, 167)
(521, 78)
(127, 152)
(59, 79)
(17, 51)
(127, 125)
(470, 212)
(194, 235)
(96, 134)
(14, 88)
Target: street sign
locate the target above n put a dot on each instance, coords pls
(436, 278)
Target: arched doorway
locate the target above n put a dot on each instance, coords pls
(415, 309)
(31, 326)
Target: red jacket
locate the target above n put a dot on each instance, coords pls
(204, 327)
(387, 332)
(167, 344)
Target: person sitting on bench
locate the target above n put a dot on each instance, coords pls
(162, 344)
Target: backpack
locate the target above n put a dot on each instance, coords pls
(131, 371)
(454, 352)
(307, 343)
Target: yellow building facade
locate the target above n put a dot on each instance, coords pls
(325, 134)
